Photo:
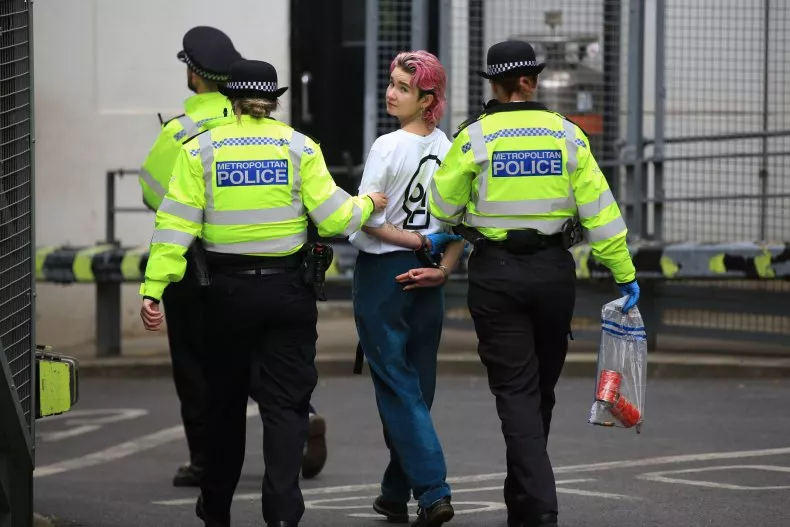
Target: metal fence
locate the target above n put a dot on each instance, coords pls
(685, 104)
(17, 250)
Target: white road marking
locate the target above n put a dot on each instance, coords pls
(51, 437)
(591, 467)
(84, 422)
(120, 451)
(660, 476)
(314, 503)
(594, 494)
(481, 506)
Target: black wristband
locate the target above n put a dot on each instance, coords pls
(152, 299)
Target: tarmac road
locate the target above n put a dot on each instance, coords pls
(712, 452)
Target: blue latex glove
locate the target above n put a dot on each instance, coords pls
(439, 241)
(632, 291)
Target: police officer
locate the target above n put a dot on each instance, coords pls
(208, 54)
(244, 188)
(513, 181)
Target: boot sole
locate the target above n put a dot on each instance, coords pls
(441, 516)
(391, 518)
(315, 458)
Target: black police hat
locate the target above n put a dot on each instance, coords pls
(208, 52)
(252, 79)
(511, 58)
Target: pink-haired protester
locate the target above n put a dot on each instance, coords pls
(400, 327)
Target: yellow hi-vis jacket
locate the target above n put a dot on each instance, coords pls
(201, 112)
(520, 166)
(243, 188)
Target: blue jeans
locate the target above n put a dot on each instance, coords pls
(400, 332)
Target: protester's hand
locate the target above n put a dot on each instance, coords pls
(151, 315)
(422, 277)
(379, 200)
(632, 292)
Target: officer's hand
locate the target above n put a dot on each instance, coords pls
(422, 277)
(151, 315)
(379, 200)
(439, 240)
(632, 292)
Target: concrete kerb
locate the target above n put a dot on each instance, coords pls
(578, 364)
(148, 357)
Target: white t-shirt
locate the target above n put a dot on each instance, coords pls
(401, 165)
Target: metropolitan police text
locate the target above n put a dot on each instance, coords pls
(245, 173)
(517, 163)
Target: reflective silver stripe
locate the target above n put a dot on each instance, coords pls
(189, 126)
(527, 206)
(207, 160)
(296, 150)
(172, 236)
(573, 159)
(544, 226)
(152, 183)
(588, 210)
(250, 217)
(356, 221)
(609, 230)
(571, 146)
(322, 212)
(185, 212)
(277, 245)
(478, 142)
(446, 209)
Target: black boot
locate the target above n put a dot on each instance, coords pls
(394, 512)
(207, 522)
(188, 475)
(548, 519)
(314, 456)
(435, 515)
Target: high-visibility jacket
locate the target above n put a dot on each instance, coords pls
(521, 166)
(244, 189)
(202, 111)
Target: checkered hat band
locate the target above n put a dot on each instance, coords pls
(496, 69)
(204, 73)
(259, 86)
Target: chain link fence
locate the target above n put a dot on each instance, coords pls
(726, 121)
(685, 104)
(16, 200)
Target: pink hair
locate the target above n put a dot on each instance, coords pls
(427, 75)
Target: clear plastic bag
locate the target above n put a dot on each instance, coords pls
(619, 397)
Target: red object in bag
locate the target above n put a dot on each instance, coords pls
(608, 386)
(625, 412)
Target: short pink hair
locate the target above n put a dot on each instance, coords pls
(427, 75)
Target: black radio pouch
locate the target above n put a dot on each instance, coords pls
(317, 261)
(572, 233)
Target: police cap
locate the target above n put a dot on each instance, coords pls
(252, 79)
(511, 58)
(208, 52)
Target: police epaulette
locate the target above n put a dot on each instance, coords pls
(564, 118)
(316, 141)
(172, 119)
(194, 136)
(486, 106)
(468, 122)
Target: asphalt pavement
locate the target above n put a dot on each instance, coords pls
(711, 452)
